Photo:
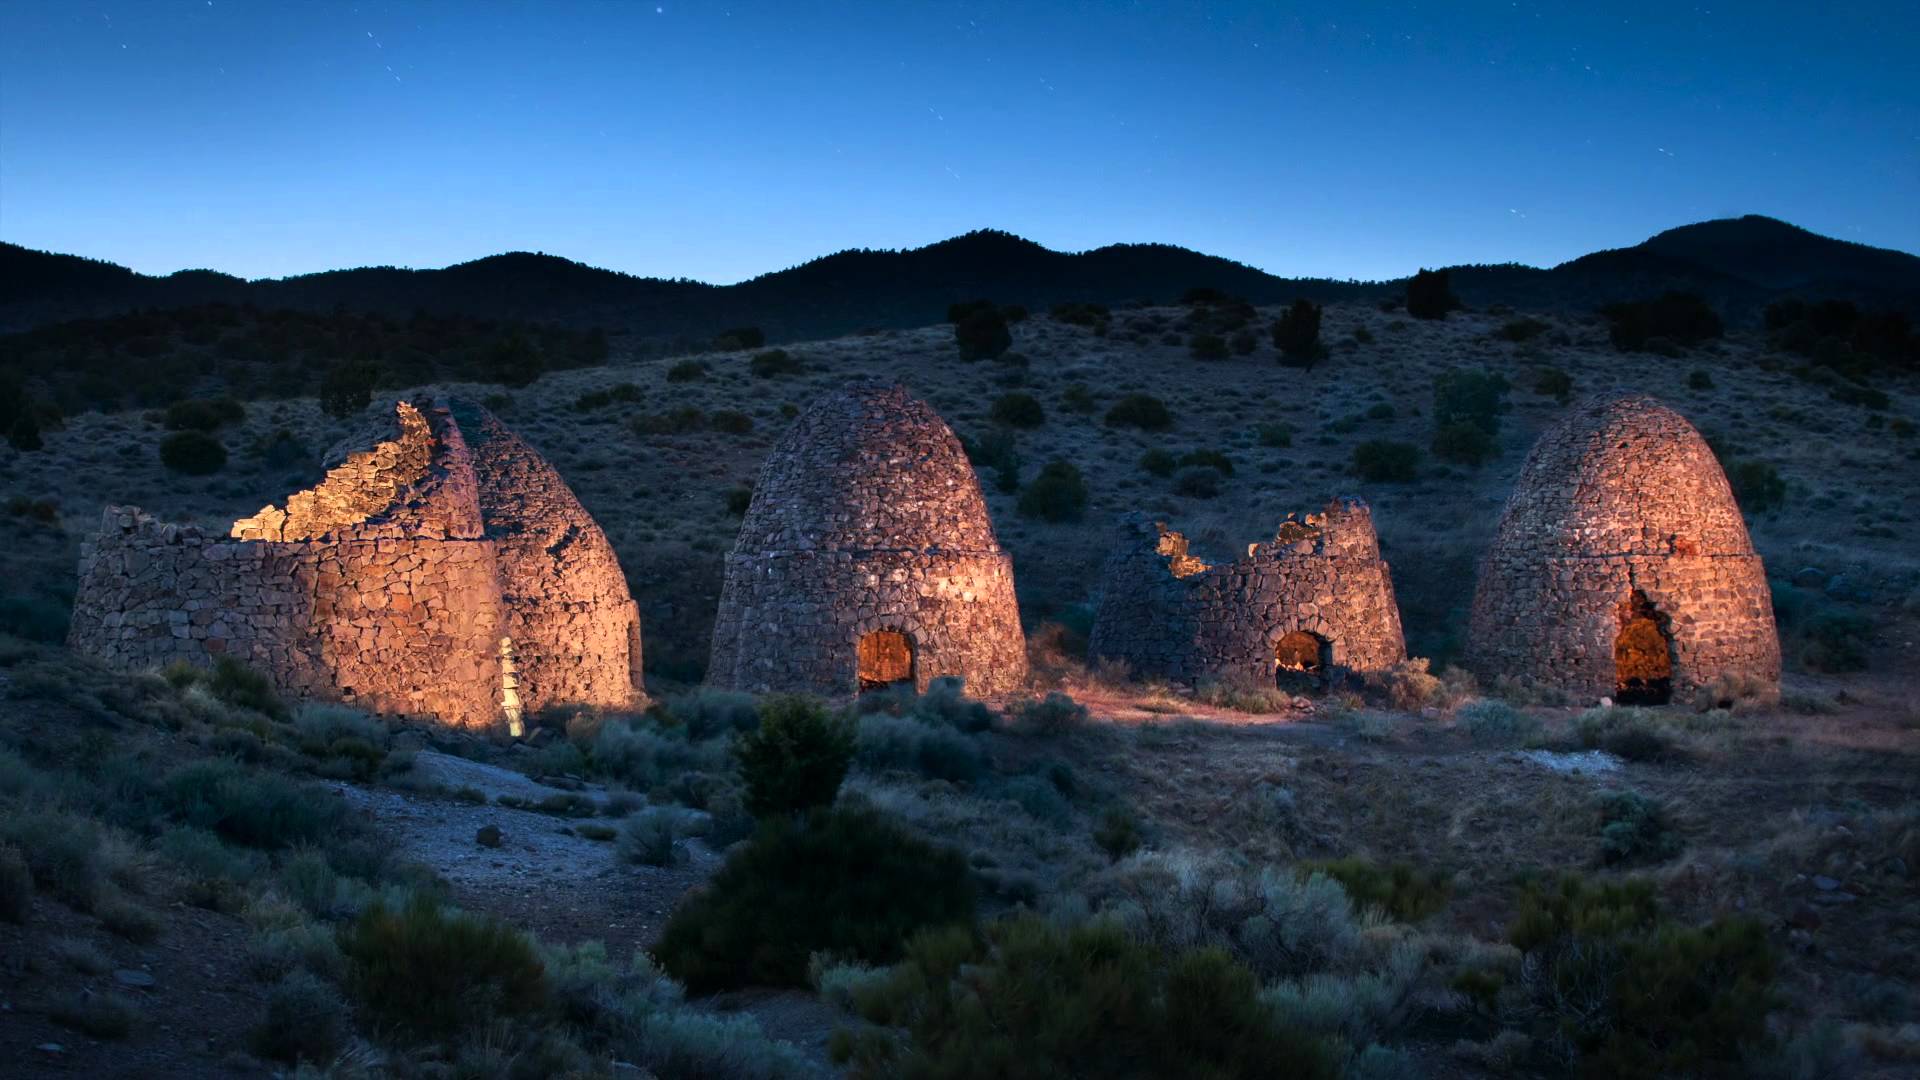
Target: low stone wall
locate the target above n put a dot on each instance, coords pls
(1167, 614)
(792, 621)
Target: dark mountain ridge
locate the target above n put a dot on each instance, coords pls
(1739, 264)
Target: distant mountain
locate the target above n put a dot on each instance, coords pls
(1739, 264)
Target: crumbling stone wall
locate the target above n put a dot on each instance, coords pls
(1167, 614)
(867, 516)
(407, 608)
(1622, 512)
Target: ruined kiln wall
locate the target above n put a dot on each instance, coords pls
(791, 622)
(391, 625)
(1224, 622)
(1622, 495)
(574, 626)
(867, 516)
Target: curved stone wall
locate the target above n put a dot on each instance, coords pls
(406, 608)
(867, 517)
(1622, 497)
(1169, 615)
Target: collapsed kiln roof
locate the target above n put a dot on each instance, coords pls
(868, 467)
(1622, 475)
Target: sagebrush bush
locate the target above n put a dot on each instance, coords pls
(1630, 734)
(1496, 722)
(687, 371)
(1159, 462)
(1030, 998)
(1143, 411)
(249, 806)
(708, 713)
(1018, 410)
(1386, 461)
(1058, 494)
(649, 837)
(305, 1020)
(1055, 714)
(239, 685)
(16, 885)
(643, 755)
(843, 881)
(434, 972)
(1635, 828)
(910, 744)
(193, 453)
(982, 334)
(203, 414)
(1400, 889)
(797, 757)
(62, 853)
(775, 363)
(103, 1016)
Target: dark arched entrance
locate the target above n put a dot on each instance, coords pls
(1642, 655)
(1300, 661)
(886, 659)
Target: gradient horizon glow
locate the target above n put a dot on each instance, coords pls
(719, 141)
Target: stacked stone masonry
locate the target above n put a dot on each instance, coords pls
(1622, 511)
(447, 572)
(1167, 614)
(867, 517)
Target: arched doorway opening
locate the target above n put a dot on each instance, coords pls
(885, 660)
(1642, 655)
(1300, 662)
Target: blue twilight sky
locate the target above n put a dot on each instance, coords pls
(722, 140)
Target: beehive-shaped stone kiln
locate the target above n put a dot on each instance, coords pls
(1622, 567)
(867, 559)
(1307, 607)
(446, 572)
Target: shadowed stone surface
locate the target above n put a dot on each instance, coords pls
(867, 517)
(1622, 515)
(446, 572)
(1169, 615)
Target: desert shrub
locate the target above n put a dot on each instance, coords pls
(1278, 436)
(1466, 414)
(1400, 889)
(738, 500)
(347, 387)
(625, 392)
(797, 757)
(774, 363)
(682, 421)
(1058, 494)
(1757, 486)
(1076, 398)
(1197, 483)
(1296, 333)
(342, 736)
(1699, 379)
(982, 334)
(1159, 462)
(1081, 314)
(305, 1020)
(1208, 347)
(513, 361)
(1143, 411)
(103, 1016)
(203, 414)
(193, 453)
(649, 836)
(1244, 342)
(1836, 641)
(1675, 317)
(730, 421)
(1496, 722)
(250, 807)
(933, 750)
(433, 972)
(1055, 714)
(1118, 833)
(24, 434)
(1630, 734)
(1524, 328)
(1386, 461)
(35, 618)
(1018, 410)
(687, 371)
(1430, 295)
(1247, 695)
(62, 853)
(1278, 922)
(1410, 686)
(16, 885)
(1028, 997)
(242, 687)
(740, 337)
(706, 713)
(645, 755)
(1620, 992)
(843, 881)
(1212, 459)
(1635, 828)
(1464, 444)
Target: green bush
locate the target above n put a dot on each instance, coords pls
(1159, 462)
(982, 334)
(242, 687)
(305, 1020)
(1430, 295)
(1055, 714)
(1018, 410)
(433, 972)
(625, 392)
(740, 337)
(730, 421)
(203, 415)
(1278, 436)
(797, 757)
(1464, 444)
(16, 885)
(1400, 889)
(1699, 379)
(1757, 486)
(1197, 483)
(1635, 828)
(687, 371)
(681, 421)
(1297, 334)
(1058, 494)
(1118, 833)
(347, 387)
(649, 837)
(1208, 347)
(1629, 734)
(1386, 461)
(513, 361)
(1836, 642)
(1625, 993)
(1554, 383)
(193, 453)
(1525, 328)
(1076, 398)
(250, 807)
(1031, 998)
(1143, 411)
(61, 852)
(35, 618)
(775, 363)
(1496, 722)
(1673, 317)
(846, 882)
(932, 750)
